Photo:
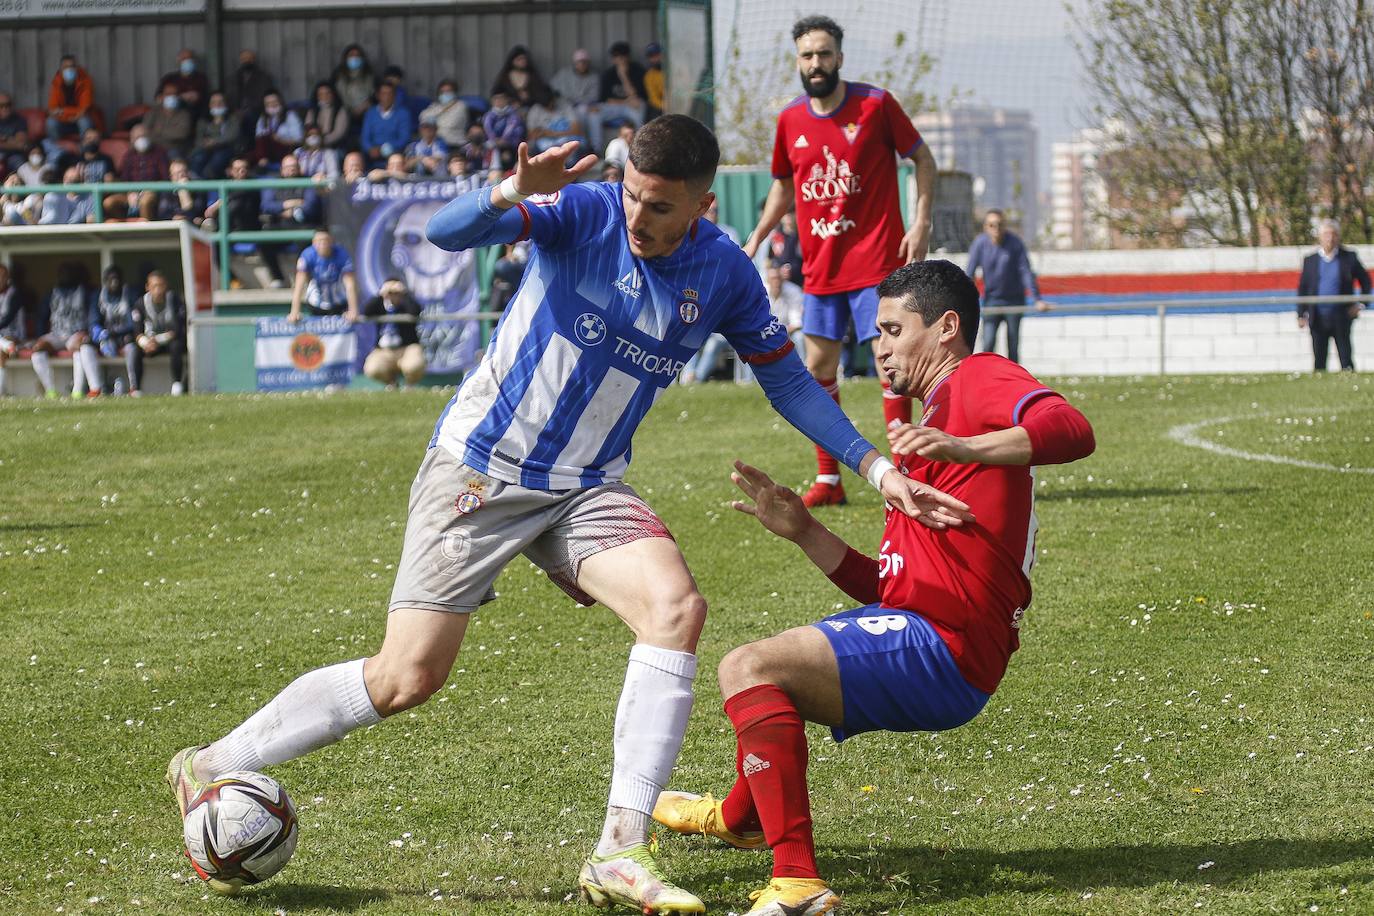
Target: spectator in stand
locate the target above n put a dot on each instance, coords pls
(398, 353)
(113, 329)
(785, 300)
(712, 215)
(552, 121)
(217, 135)
(783, 248)
(354, 167)
(278, 131)
(1331, 270)
(618, 150)
(1007, 275)
(462, 174)
(478, 155)
(191, 85)
(450, 114)
(386, 126)
(427, 155)
(14, 133)
(144, 162)
(325, 282)
(580, 86)
(13, 321)
(612, 173)
(519, 79)
(395, 77)
(68, 209)
(35, 170)
(250, 85)
(504, 127)
(94, 165)
(507, 272)
(169, 125)
(160, 327)
(70, 100)
(182, 203)
(65, 325)
(316, 159)
(655, 86)
(394, 170)
(244, 213)
(290, 208)
(330, 116)
(622, 89)
(354, 81)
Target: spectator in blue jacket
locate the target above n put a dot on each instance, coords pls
(504, 127)
(291, 207)
(1007, 276)
(387, 127)
(1332, 270)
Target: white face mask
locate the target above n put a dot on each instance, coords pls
(142, 144)
(273, 111)
(36, 160)
(312, 141)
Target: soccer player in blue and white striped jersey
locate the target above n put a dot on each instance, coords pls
(625, 282)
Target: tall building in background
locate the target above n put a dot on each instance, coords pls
(997, 146)
(1078, 193)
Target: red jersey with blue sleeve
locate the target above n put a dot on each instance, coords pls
(844, 165)
(972, 582)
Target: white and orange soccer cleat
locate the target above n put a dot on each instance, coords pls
(632, 878)
(793, 897)
(684, 812)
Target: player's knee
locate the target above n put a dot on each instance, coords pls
(677, 624)
(397, 687)
(740, 669)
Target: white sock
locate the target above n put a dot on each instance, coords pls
(832, 479)
(90, 360)
(649, 726)
(316, 709)
(42, 367)
(78, 376)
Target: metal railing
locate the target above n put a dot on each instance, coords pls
(224, 238)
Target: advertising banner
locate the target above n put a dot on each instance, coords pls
(312, 353)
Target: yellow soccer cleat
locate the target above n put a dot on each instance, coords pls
(793, 897)
(684, 812)
(632, 878)
(182, 780)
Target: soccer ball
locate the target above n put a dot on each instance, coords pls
(240, 829)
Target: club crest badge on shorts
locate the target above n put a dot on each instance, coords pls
(468, 503)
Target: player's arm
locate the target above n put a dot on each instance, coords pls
(782, 512)
(778, 202)
(489, 216)
(916, 243)
(1050, 431)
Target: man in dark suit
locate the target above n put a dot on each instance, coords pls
(1331, 271)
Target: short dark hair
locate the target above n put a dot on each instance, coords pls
(931, 288)
(676, 147)
(818, 24)
(620, 49)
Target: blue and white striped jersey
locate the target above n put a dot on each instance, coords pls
(592, 338)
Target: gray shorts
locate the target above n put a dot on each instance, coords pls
(464, 527)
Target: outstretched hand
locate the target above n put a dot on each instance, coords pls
(548, 171)
(777, 508)
(929, 506)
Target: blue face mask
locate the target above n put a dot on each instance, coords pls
(170, 101)
(188, 67)
(355, 63)
(69, 74)
(447, 98)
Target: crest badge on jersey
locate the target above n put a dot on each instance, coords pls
(544, 200)
(689, 312)
(851, 130)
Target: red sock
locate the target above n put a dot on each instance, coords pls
(825, 462)
(738, 807)
(895, 407)
(772, 740)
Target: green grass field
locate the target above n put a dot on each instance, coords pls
(1186, 727)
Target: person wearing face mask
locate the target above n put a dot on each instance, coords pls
(354, 81)
(191, 84)
(217, 134)
(21, 211)
(316, 159)
(145, 161)
(289, 208)
(449, 113)
(70, 100)
(398, 353)
(387, 126)
(330, 116)
(278, 131)
(169, 124)
(520, 78)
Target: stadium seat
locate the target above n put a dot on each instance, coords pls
(37, 121)
(477, 105)
(115, 149)
(98, 118)
(416, 104)
(126, 118)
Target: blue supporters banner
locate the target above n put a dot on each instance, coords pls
(311, 353)
(383, 225)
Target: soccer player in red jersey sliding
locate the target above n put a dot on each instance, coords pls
(942, 606)
(835, 156)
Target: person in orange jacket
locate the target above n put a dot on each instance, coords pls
(70, 100)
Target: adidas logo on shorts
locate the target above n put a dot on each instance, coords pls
(755, 764)
(836, 625)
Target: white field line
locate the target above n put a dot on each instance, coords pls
(1187, 434)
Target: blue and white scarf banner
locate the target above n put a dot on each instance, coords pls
(311, 353)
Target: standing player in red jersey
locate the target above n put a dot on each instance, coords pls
(942, 605)
(834, 156)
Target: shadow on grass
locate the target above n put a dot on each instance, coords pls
(293, 896)
(951, 874)
(23, 527)
(1139, 493)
